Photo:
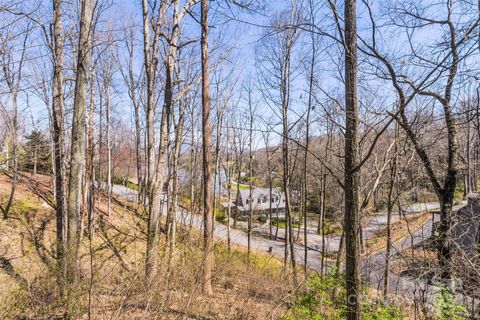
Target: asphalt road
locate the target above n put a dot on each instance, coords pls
(372, 267)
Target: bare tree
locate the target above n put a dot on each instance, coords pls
(251, 120)
(133, 83)
(458, 34)
(275, 62)
(155, 165)
(352, 221)
(106, 71)
(206, 142)
(78, 142)
(12, 67)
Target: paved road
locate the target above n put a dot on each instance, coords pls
(372, 266)
(237, 237)
(376, 221)
(127, 193)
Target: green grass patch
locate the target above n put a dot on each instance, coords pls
(325, 298)
(121, 181)
(25, 205)
(132, 185)
(240, 186)
(281, 223)
(220, 215)
(458, 194)
(446, 307)
(331, 227)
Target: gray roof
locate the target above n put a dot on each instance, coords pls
(261, 199)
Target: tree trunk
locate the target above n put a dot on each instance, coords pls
(58, 135)
(90, 205)
(250, 181)
(14, 129)
(206, 141)
(229, 186)
(352, 225)
(132, 85)
(109, 144)
(322, 221)
(239, 176)
(270, 193)
(174, 201)
(155, 165)
(390, 203)
(305, 156)
(192, 165)
(78, 154)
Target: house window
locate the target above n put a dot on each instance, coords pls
(248, 201)
(259, 200)
(264, 199)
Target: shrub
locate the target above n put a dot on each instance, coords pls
(447, 308)
(281, 223)
(325, 296)
(220, 216)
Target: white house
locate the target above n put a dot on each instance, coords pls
(260, 201)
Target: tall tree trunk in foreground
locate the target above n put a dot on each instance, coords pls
(58, 135)
(155, 166)
(307, 141)
(90, 176)
(78, 151)
(172, 223)
(352, 227)
(91, 152)
(284, 91)
(153, 224)
(178, 127)
(286, 182)
(207, 175)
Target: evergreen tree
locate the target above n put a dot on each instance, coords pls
(36, 157)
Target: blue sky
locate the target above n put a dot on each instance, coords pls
(242, 36)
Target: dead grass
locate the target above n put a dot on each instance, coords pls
(415, 261)
(399, 229)
(29, 290)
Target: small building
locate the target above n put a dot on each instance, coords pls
(465, 230)
(260, 202)
(466, 225)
